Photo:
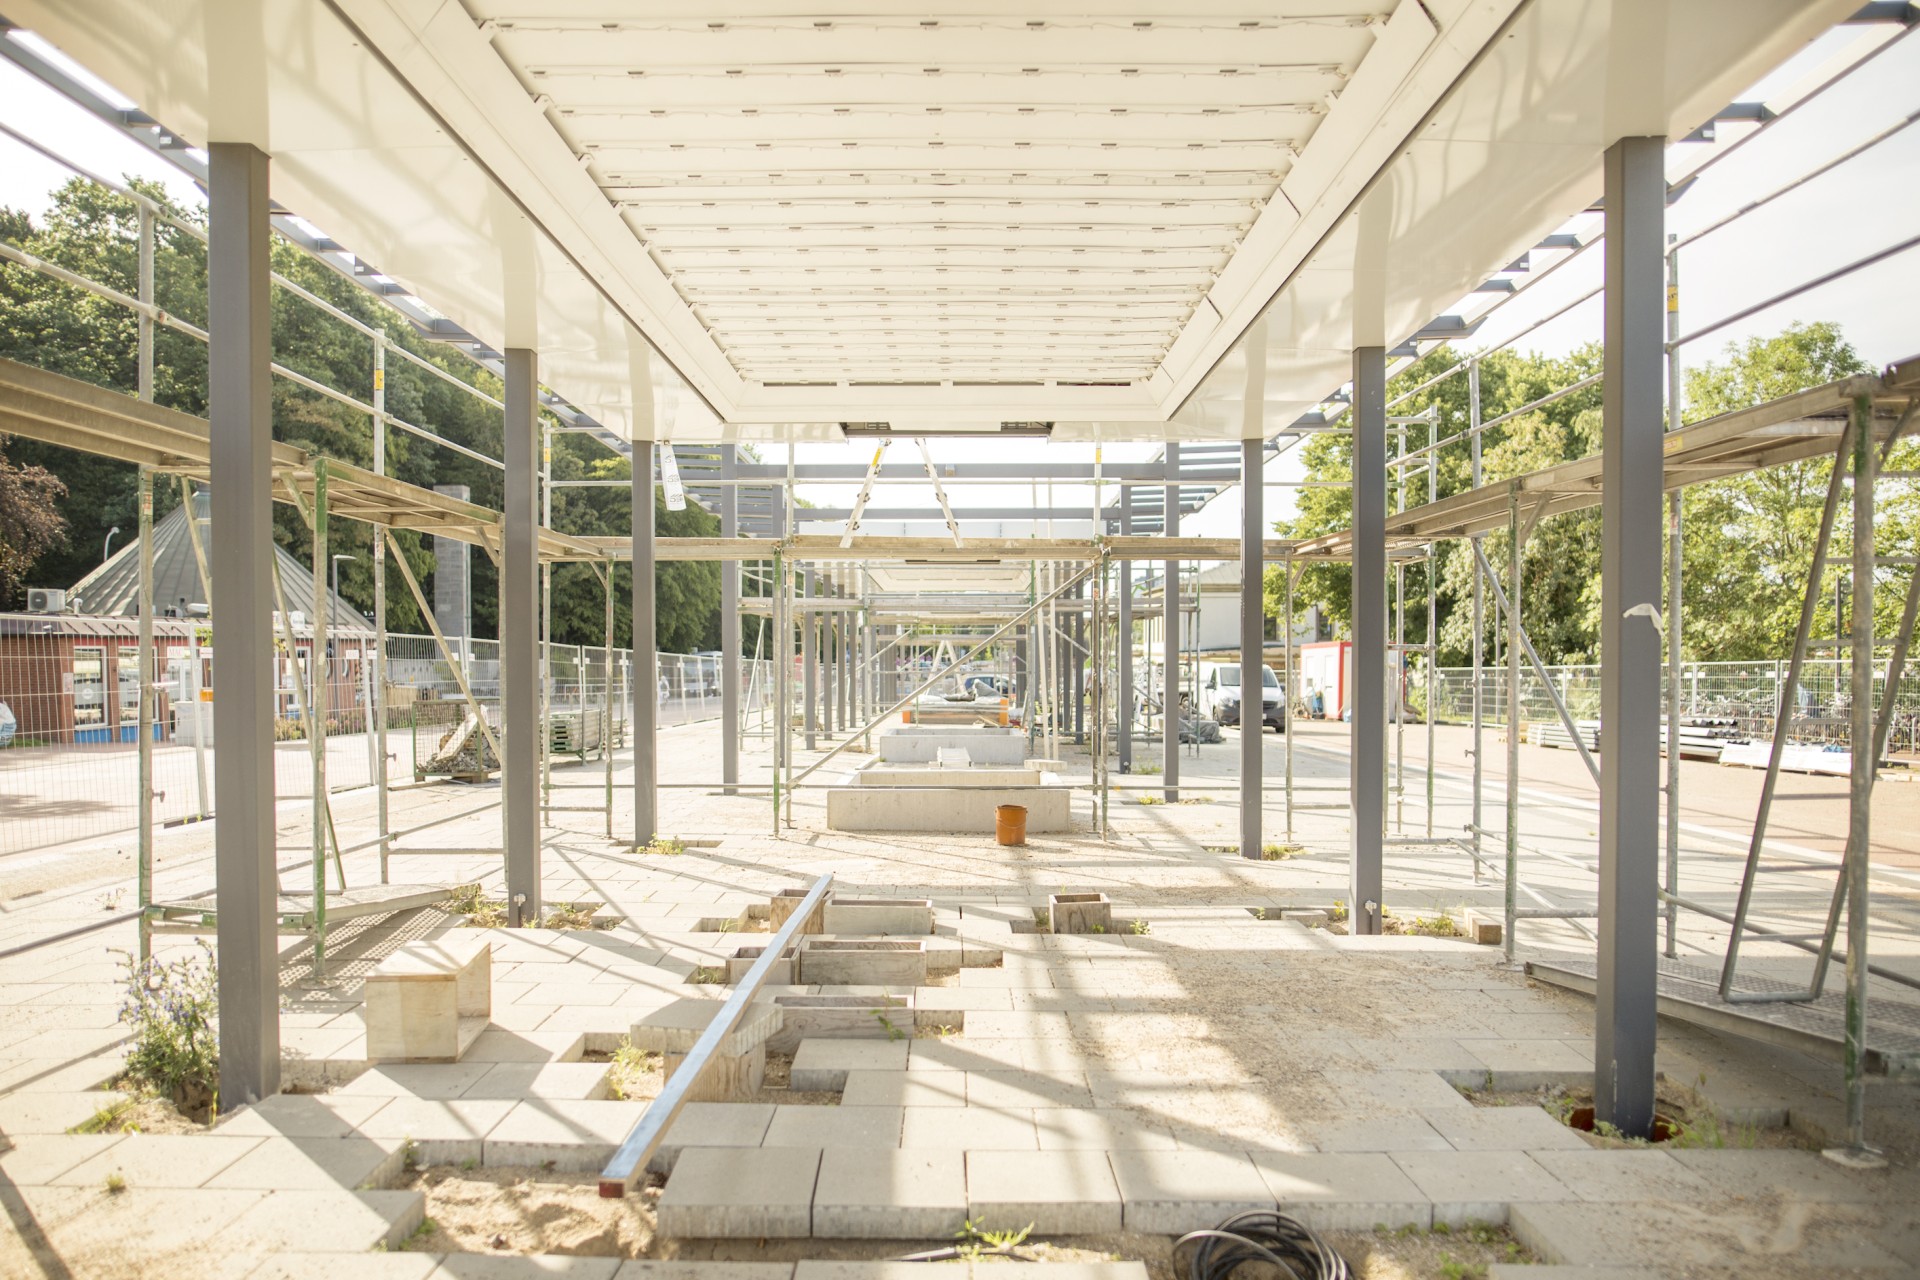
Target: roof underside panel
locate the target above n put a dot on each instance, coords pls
(761, 219)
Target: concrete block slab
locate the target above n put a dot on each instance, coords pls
(733, 1194)
(498, 1045)
(315, 1164)
(1079, 913)
(712, 1124)
(890, 1195)
(425, 1080)
(674, 1027)
(1504, 1129)
(1525, 1055)
(840, 1017)
(576, 1136)
(878, 962)
(823, 1064)
(1344, 1192)
(741, 963)
(1059, 1192)
(1099, 1129)
(868, 1128)
(969, 1129)
(1173, 1192)
(905, 1089)
(1386, 1131)
(1478, 1186)
(160, 1160)
(878, 917)
(727, 1078)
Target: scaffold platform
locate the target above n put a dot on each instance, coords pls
(198, 913)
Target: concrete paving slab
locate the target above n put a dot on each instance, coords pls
(823, 1064)
(1099, 1129)
(160, 1160)
(497, 1045)
(965, 1053)
(1504, 1129)
(574, 1135)
(1059, 1192)
(969, 1129)
(337, 1266)
(1796, 1175)
(1516, 1058)
(905, 1089)
(481, 1266)
(734, 1194)
(863, 1127)
(575, 1081)
(302, 1115)
(428, 1080)
(1388, 1131)
(1478, 1186)
(1173, 1192)
(1625, 1176)
(36, 1160)
(1354, 1192)
(52, 1112)
(650, 1269)
(712, 1124)
(1730, 1238)
(315, 1164)
(890, 1195)
(1556, 1271)
(442, 1131)
(323, 1220)
(1028, 1089)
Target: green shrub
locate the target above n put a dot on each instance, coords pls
(173, 1008)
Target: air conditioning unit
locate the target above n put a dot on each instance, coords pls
(46, 600)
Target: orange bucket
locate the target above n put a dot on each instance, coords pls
(1010, 823)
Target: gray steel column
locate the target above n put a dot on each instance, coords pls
(520, 637)
(1630, 634)
(1080, 668)
(646, 655)
(1170, 633)
(729, 624)
(240, 415)
(1253, 637)
(1368, 732)
(809, 660)
(1865, 764)
(1123, 712)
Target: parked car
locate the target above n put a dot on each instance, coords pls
(1220, 695)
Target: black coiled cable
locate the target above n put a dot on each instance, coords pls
(1261, 1235)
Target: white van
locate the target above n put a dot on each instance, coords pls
(1220, 695)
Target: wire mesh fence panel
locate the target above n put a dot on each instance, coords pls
(1740, 699)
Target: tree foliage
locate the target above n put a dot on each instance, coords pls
(1748, 540)
(30, 520)
(68, 330)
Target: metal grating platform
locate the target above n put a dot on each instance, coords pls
(295, 910)
(1691, 993)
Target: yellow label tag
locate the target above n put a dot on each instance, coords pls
(1673, 297)
(379, 379)
(1673, 443)
(206, 695)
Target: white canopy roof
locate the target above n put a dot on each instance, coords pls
(981, 213)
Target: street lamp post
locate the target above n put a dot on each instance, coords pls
(336, 571)
(106, 551)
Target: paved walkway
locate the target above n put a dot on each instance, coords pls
(1147, 1080)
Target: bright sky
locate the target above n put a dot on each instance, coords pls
(1859, 207)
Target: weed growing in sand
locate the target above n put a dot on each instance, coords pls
(173, 1008)
(669, 846)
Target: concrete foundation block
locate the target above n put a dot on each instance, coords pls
(823, 1064)
(807, 1017)
(948, 808)
(1485, 930)
(863, 963)
(736, 1194)
(673, 1028)
(918, 744)
(1079, 913)
(1174, 1192)
(745, 958)
(728, 1077)
(1311, 917)
(782, 905)
(879, 917)
(1344, 1192)
(890, 1195)
(428, 1001)
(1059, 1192)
